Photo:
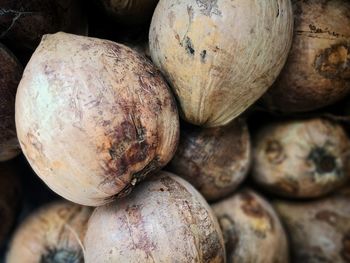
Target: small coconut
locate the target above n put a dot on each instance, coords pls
(319, 230)
(10, 75)
(54, 233)
(10, 198)
(164, 220)
(220, 56)
(94, 117)
(214, 160)
(301, 158)
(317, 72)
(251, 229)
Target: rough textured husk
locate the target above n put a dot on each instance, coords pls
(10, 75)
(164, 220)
(317, 72)
(132, 12)
(93, 117)
(10, 198)
(54, 233)
(319, 230)
(301, 158)
(24, 22)
(214, 160)
(220, 56)
(252, 230)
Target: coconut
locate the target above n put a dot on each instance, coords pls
(164, 220)
(220, 56)
(317, 72)
(94, 119)
(301, 158)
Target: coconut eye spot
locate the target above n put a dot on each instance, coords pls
(324, 161)
(62, 256)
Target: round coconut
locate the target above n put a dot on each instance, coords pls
(319, 230)
(317, 72)
(163, 220)
(251, 229)
(220, 56)
(214, 160)
(54, 233)
(301, 158)
(10, 75)
(94, 117)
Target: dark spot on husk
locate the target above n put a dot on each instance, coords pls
(62, 256)
(189, 46)
(324, 162)
(329, 217)
(274, 152)
(345, 251)
(203, 56)
(334, 62)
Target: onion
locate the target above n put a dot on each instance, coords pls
(214, 160)
(163, 220)
(94, 117)
(301, 158)
(54, 233)
(319, 230)
(10, 75)
(317, 72)
(132, 12)
(10, 198)
(24, 22)
(252, 230)
(220, 56)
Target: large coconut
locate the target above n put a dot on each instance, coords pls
(93, 117)
(220, 56)
(163, 220)
(317, 72)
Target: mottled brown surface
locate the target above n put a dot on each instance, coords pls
(301, 158)
(317, 71)
(10, 198)
(164, 220)
(252, 230)
(10, 75)
(24, 22)
(101, 117)
(131, 12)
(318, 230)
(214, 160)
(53, 233)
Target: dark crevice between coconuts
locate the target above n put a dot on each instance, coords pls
(137, 177)
(230, 234)
(324, 162)
(13, 16)
(62, 256)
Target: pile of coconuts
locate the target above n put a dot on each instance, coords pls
(175, 131)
